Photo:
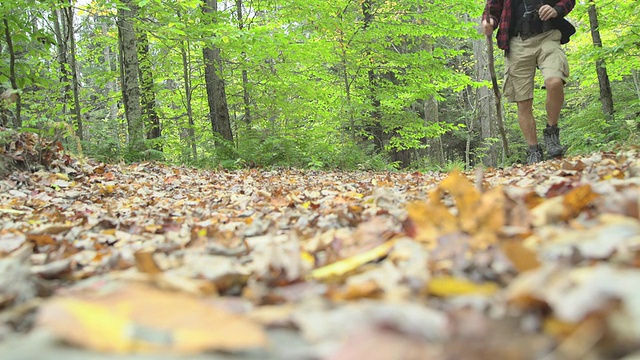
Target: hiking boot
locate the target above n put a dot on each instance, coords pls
(534, 154)
(552, 141)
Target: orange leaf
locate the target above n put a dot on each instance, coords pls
(41, 239)
(522, 258)
(145, 263)
(576, 200)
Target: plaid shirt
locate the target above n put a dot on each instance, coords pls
(501, 12)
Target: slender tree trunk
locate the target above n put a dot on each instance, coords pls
(186, 73)
(148, 92)
(12, 74)
(484, 101)
(345, 81)
(606, 97)
(77, 109)
(61, 42)
(216, 94)
(375, 127)
(129, 72)
(432, 116)
(245, 75)
(635, 75)
(111, 85)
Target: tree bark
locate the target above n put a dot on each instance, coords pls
(216, 94)
(606, 97)
(61, 45)
(148, 92)
(129, 72)
(17, 122)
(375, 126)
(186, 73)
(111, 85)
(76, 109)
(431, 115)
(245, 76)
(483, 105)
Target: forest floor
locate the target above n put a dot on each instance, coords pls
(149, 261)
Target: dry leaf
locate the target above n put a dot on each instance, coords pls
(451, 286)
(521, 257)
(138, 319)
(145, 262)
(342, 267)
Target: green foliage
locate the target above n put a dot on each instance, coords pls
(311, 83)
(587, 130)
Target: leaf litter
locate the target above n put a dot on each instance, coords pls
(516, 263)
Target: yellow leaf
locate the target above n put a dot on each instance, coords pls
(342, 267)
(556, 327)
(307, 258)
(354, 195)
(451, 286)
(62, 176)
(136, 318)
(306, 205)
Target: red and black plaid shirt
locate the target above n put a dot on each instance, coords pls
(501, 12)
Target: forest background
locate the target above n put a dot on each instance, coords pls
(367, 84)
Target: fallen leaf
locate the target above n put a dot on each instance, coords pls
(342, 267)
(450, 286)
(145, 262)
(522, 258)
(126, 320)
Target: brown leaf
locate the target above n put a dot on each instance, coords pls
(522, 258)
(145, 262)
(41, 239)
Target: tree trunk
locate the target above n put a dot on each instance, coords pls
(216, 94)
(606, 97)
(375, 125)
(186, 73)
(129, 72)
(76, 109)
(148, 92)
(111, 85)
(245, 75)
(17, 122)
(61, 44)
(431, 115)
(484, 109)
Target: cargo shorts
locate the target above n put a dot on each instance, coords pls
(541, 51)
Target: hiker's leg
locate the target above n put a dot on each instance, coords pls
(527, 122)
(555, 70)
(555, 99)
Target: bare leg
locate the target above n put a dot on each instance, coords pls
(555, 99)
(527, 122)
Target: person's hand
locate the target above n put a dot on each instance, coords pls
(487, 26)
(547, 12)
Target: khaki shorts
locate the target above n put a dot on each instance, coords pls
(542, 51)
